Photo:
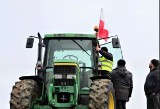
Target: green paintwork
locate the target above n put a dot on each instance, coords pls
(48, 107)
(73, 90)
(70, 35)
(42, 107)
(50, 95)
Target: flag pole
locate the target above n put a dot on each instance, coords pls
(100, 19)
(101, 13)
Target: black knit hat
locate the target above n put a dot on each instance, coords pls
(121, 62)
(104, 49)
(155, 62)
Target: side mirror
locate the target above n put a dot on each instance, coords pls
(115, 43)
(29, 43)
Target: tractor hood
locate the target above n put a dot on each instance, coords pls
(65, 61)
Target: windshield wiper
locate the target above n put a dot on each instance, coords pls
(80, 46)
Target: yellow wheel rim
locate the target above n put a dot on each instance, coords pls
(111, 101)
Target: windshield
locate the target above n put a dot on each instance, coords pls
(78, 50)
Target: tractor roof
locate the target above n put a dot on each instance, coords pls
(69, 35)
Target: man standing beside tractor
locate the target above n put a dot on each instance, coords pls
(152, 85)
(123, 84)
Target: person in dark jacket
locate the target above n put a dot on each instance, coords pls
(123, 84)
(105, 62)
(152, 85)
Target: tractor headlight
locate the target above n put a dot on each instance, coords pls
(58, 76)
(70, 76)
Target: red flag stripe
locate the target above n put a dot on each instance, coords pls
(103, 33)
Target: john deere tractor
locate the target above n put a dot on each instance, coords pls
(68, 76)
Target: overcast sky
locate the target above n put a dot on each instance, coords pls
(136, 22)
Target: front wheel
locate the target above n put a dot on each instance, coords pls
(102, 95)
(23, 94)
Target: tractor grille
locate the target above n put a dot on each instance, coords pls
(64, 69)
(63, 75)
(60, 82)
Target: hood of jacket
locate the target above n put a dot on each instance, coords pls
(122, 71)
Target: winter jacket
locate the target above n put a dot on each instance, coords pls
(123, 83)
(105, 64)
(152, 83)
(107, 55)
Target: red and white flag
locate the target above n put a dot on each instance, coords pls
(102, 32)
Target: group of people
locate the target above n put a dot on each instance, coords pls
(123, 81)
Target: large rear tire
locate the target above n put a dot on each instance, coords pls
(102, 95)
(23, 94)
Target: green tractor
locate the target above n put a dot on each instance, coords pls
(67, 77)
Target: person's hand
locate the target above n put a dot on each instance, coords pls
(152, 95)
